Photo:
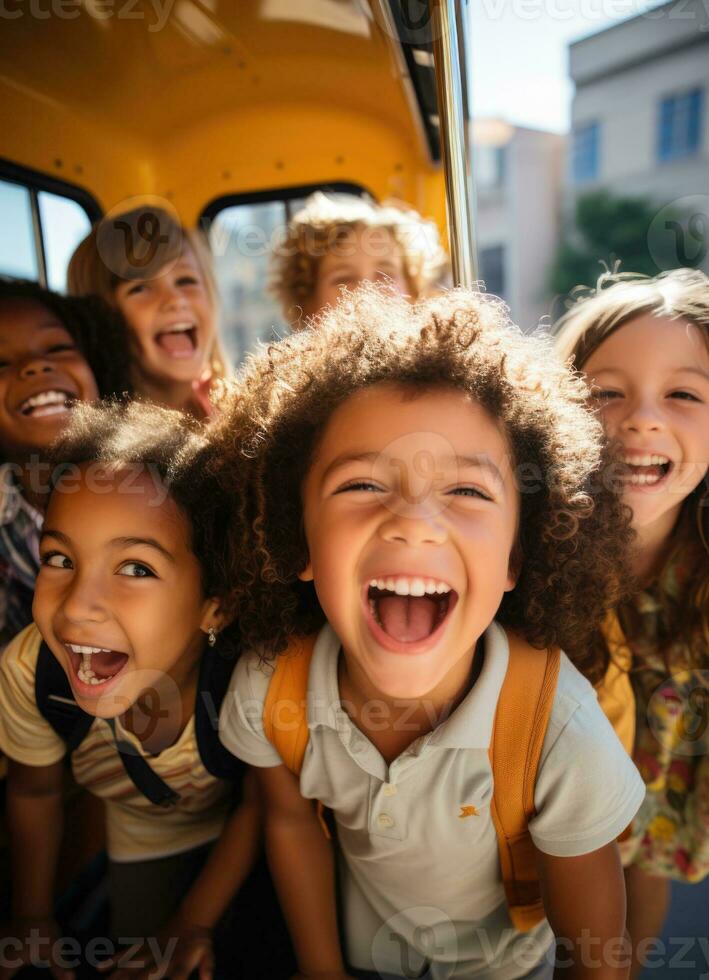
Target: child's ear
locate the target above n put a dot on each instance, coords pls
(514, 567)
(214, 616)
(306, 575)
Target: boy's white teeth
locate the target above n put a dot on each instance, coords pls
(416, 586)
(649, 460)
(178, 328)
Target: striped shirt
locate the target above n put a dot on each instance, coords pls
(20, 525)
(136, 828)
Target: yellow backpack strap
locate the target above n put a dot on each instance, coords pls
(520, 725)
(615, 692)
(285, 710)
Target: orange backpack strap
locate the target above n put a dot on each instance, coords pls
(521, 720)
(285, 710)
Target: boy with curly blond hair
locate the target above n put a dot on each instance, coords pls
(338, 241)
(422, 492)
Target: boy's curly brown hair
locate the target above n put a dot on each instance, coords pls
(573, 532)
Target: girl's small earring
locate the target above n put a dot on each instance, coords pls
(211, 636)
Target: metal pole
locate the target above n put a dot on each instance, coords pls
(449, 50)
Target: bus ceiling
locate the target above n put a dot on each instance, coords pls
(189, 101)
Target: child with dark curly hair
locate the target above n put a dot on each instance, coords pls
(643, 345)
(422, 488)
(123, 671)
(55, 352)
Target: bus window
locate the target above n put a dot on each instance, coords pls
(242, 238)
(39, 230)
(64, 225)
(18, 257)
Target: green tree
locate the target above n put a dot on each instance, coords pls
(607, 230)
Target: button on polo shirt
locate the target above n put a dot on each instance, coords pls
(418, 850)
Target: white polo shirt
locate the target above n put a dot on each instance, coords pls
(420, 873)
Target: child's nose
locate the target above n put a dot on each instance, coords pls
(82, 602)
(35, 366)
(413, 530)
(643, 416)
(172, 297)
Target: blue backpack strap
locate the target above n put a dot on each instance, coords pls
(55, 700)
(214, 675)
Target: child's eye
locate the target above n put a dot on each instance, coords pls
(59, 348)
(55, 559)
(188, 281)
(137, 287)
(605, 394)
(359, 485)
(136, 569)
(470, 492)
(685, 396)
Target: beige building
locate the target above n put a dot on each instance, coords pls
(640, 114)
(518, 176)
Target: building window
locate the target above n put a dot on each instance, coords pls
(492, 269)
(489, 166)
(680, 125)
(585, 152)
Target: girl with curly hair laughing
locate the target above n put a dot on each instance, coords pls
(420, 490)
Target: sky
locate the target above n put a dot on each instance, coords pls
(519, 54)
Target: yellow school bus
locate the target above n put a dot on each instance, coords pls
(229, 114)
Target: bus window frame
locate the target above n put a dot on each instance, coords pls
(282, 194)
(35, 181)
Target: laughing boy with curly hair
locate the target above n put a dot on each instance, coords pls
(422, 487)
(338, 241)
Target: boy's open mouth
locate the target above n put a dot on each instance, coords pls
(94, 666)
(646, 470)
(54, 401)
(409, 609)
(178, 340)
